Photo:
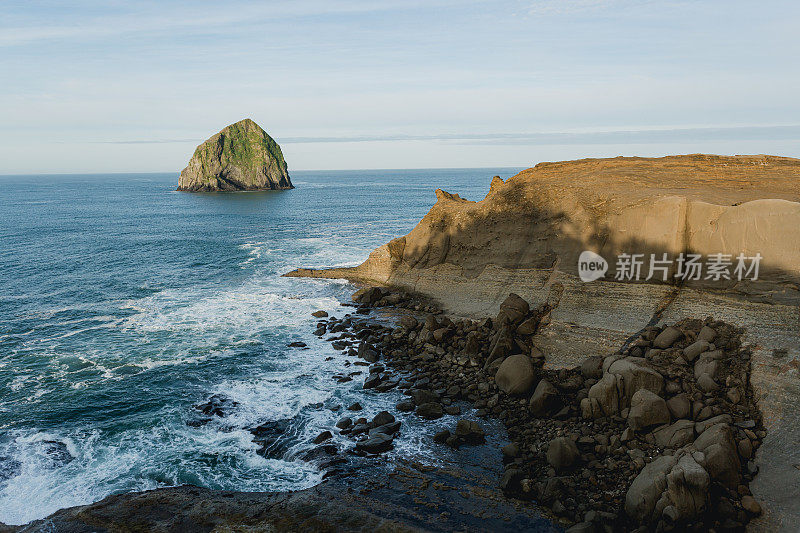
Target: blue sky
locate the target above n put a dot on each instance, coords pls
(103, 86)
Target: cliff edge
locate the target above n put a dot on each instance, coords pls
(241, 157)
(527, 234)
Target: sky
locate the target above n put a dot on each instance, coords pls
(115, 86)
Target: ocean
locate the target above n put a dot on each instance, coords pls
(124, 303)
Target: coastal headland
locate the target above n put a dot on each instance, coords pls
(629, 403)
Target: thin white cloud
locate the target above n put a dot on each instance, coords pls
(218, 18)
(617, 137)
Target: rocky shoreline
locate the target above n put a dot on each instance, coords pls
(658, 436)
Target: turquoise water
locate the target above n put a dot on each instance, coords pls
(124, 303)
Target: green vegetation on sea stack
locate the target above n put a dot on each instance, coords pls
(241, 157)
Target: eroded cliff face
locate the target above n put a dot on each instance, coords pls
(241, 157)
(527, 234)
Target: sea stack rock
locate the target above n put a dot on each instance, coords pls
(241, 157)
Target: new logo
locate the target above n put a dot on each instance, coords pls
(591, 266)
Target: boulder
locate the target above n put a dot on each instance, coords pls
(679, 405)
(687, 488)
(706, 383)
(647, 409)
(387, 429)
(367, 295)
(511, 480)
(647, 488)
(621, 380)
(675, 435)
(516, 374)
(700, 427)
(430, 410)
(473, 344)
(562, 453)
(513, 309)
(382, 418)
(635, 376)
(750, 505)
(502, 345)
(366, 353)
(707, 334)
(408, 322)
(376, 443)
(721, 456)
(470, 432)
(592, 367)
(405, 406)
(322, 437)
(667, 338)
(441, 437)
(529, 326)
(319, 314)
(510, 451)
(693, 351)
(421, 396)
(545, 399)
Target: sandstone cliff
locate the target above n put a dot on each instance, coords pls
(527, 234)
(241, 157)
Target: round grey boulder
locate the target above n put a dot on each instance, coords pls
(516, 374)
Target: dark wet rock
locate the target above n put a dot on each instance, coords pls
(354, 407)
(377, 443)
(430, 410)
(217, 405)
(469, 432)
(319, 314)
(367, 353)
(344, 423)
(57, 452)
(384, 417)
(452, 410)
(297, 344)
(441, 436)
(511, 480)
(372, 381)
(422, 396)
(510, 451)
(545, 399)
(319, 453)
(322, 437)
(389, 428)
(562, 453)
(405, 406)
